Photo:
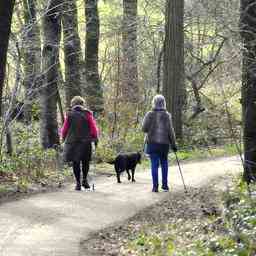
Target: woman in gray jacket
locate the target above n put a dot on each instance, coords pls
(160, 136)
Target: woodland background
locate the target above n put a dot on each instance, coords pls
(118, 54)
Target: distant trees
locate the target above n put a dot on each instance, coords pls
(6, 11)
(173, 80)
(248, 34)
(49, 90)
(72, 50)
(93, 83)
(32, 56)
(127, 62)
(130, 87)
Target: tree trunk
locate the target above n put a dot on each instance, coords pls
(94, 90)
(173, 80)
(6, 11)
(72, 51)
(130, 88)
(32, 57)
(248, 34)
(49, 91)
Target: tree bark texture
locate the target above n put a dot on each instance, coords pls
(130, 88)
(49, 91)
(6, 11)
(32, 57)
(72, 51)
(93, 90)
(173, 80)
(248, 34)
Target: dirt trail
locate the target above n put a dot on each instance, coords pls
(53, 224)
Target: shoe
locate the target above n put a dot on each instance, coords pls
(165, 188)
(85, 184)
(78, 187)
(154, 189)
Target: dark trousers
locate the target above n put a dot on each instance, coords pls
(157, 159)
(77, 170)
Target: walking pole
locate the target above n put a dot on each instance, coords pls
(178, 162)
(94, 167)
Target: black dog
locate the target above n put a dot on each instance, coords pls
(126, 162)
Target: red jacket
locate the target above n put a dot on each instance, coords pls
(94, 131)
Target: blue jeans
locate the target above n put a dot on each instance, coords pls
(157, 159)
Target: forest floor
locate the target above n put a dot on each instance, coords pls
(67, 222)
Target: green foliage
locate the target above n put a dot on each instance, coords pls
(153, 245)
(3, 189)
(195, 153)
(127, 137)
(108, 148)
(240, 223)
(29, 162)
(23, 184)
(232, 233)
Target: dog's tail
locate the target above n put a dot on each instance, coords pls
(111, 162)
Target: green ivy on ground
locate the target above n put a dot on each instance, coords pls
(233, 233)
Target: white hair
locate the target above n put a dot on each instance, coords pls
(159, 102)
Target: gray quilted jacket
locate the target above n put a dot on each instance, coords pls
(157, 125)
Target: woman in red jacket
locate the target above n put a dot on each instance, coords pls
(78, 132)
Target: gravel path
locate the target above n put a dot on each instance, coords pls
(54, 224)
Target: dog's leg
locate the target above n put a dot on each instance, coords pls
(117, 173)
(133, 171)
(129, 176)
(118, 177)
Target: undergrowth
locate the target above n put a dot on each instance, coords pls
(30, 163)
(232, 233)
(197, 153)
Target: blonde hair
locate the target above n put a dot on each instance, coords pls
(159, 102)
(77, 100)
